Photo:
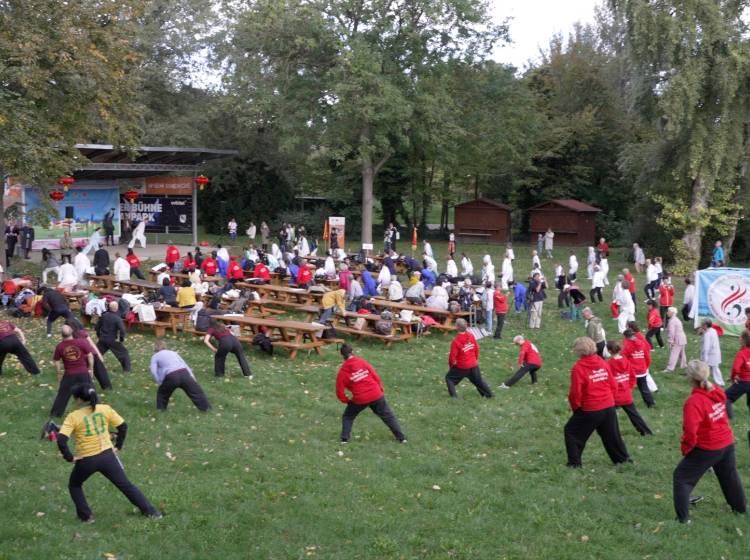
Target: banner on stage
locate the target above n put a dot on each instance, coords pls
(162, 214)
(87, 202)
(338, 223)
(722, 294)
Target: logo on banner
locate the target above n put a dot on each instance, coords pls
(728, 296)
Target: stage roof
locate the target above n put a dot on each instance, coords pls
(109, 162)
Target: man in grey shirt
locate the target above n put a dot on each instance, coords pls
(171, 372)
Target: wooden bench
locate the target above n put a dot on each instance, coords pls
(159, 327)
(341, 322)
(419, 310)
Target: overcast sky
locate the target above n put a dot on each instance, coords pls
(535, 22)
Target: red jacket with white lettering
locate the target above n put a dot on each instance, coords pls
(704, 421)
(741, 365)
(234, 270)
(637, 353)
(261, 271)
(592, 385)
(173, 255)
(625, 377)
(464, 351)
(631, 281)
(209, 266)
(304, 276)
(133, 261)
(529, 355)
(654, 318)
(666, 295)
(501, 302)
(360, 379)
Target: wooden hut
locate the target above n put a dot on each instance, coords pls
(482, 221)
(572, 221)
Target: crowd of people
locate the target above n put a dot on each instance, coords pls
(602, 379)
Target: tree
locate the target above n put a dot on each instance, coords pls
(336, 77)
(689, 82)
(67, 75)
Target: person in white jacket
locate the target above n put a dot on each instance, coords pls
(638, 257)
(451, 270)
(395, 291)
(535, 260)
(81, 263)
(488, 270)
(139, 234)
(384, 278)
(303, 247)
(428, 249)
(604, 267)
(67, 277)
(121, 268)
(507, 272)
(652, 278)
(711, 349)
(467, 268)
(430, 263)
(590, 262)
(627, 307)
(572, 267)
(597, 284)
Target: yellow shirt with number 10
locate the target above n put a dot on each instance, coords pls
(90, 429)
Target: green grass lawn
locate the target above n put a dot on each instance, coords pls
(263, 475)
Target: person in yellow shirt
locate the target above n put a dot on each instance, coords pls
(329, 302)
(89, 426)
(186, 295)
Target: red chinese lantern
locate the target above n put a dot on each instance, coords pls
(131, 196)
(202, 181)
(66, 182)
(57, 196)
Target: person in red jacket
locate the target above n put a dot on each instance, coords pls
(603, 248)
(188, 263)
(261, 272)
(740, 373)
(627, 276)
(528, 359)
(361, 380)
(173, 255)
(592, 400)
(707, 442)
(636, 351)
(501, 308)
(655, 324)
(135, 264)
(463, 362)
(209, 266)
(622, 369)
(666, 297)
(234, 270)
(304, 276)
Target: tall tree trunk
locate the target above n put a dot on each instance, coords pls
(2, 226)
(368, 180)
(445, 212)
(689, 259)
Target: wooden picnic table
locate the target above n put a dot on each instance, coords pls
(449, 317)
(285, 334)
(175, 316)
(282, 294)
(139, 286)
(182, 276)
(106, 281)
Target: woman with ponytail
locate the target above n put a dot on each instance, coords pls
(707, 442)
(89, 426)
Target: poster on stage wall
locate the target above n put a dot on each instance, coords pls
(722, 294)
(339, 224)
(163, 214)
(85, 203)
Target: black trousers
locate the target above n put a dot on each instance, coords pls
(110, 466)
(563, 300)
(499, 324)
(55, 314)
(663, 314)
(12, 345)
(580, 427)
(138, 273)
(595, 292)
(734, 392)
(648, 398)
(64, 389)
(650, 289)
(636, 419)
(656, 331)
(226, 345)
(694, 465)
(379, 407)
(600, 346)
(118, 349)
(531, 369)
(474, 375)
(101, 373)
(181, 379)
(686, 312)
(109, 237)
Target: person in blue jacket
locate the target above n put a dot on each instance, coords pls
(718, 256)
(519, 297)
(428, 278)
(369, 287)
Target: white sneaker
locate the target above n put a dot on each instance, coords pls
(49, 335)
(503, 386)
(249, 377)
